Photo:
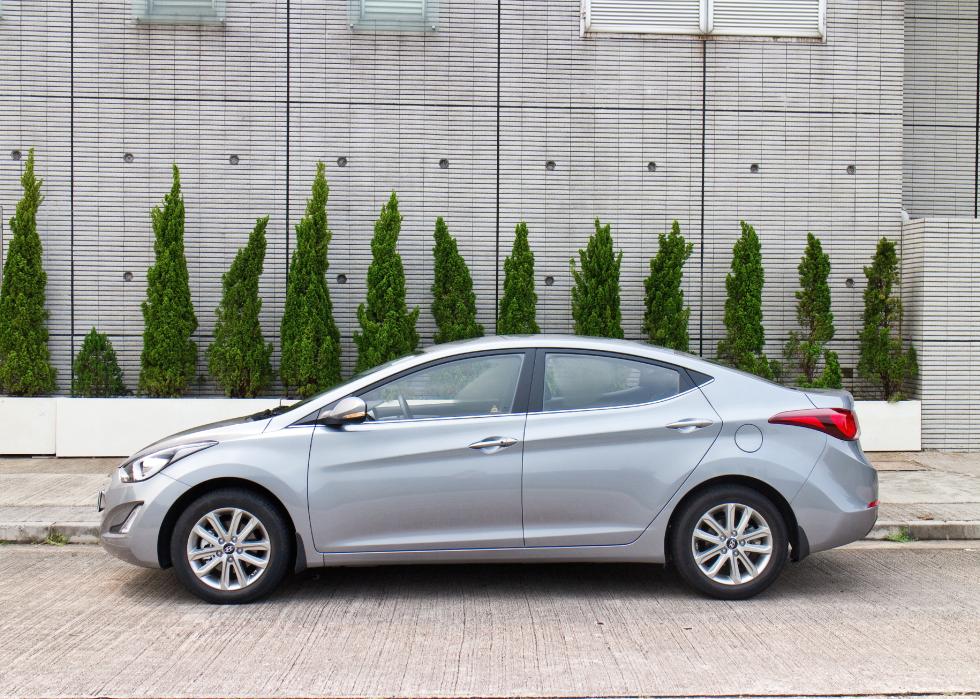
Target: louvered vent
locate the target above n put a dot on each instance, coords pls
(395, 15)
(644, 16)
(179, 11)
(767, 18)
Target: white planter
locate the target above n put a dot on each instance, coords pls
(121, 426)
(28, 425)
(890, 426)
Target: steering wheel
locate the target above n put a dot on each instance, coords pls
(406, 411)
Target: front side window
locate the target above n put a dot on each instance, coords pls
(584, 381)
(179, 11)
(473, 386)
(764, 18)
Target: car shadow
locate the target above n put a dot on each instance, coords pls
(624, 581)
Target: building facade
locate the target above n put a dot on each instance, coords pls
(808, 115)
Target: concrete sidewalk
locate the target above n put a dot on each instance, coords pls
(925, 495)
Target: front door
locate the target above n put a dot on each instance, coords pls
(608, 441)
(437, 464)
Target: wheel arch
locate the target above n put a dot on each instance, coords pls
(170, 519)
(797, 538)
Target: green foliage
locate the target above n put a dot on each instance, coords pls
(453, 300)
(25, 364)
(97, 372)
(518, 303)
(745, 337)
(595, 294)
(169, 355)
(883, 360)
(902, 536)
(831, 376)
(815, 318)
(239, 358)
(310, 337)
(665, 318)
(387, 326)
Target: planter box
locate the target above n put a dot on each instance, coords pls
(121, 426)
(890, 426)
(28, 425)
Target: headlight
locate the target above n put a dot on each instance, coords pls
(145, 466)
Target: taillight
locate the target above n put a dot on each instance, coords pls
(837, 422)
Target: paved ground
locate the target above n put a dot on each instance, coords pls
(871, 619)
(934, 495)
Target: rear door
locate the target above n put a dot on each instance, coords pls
(609, 438)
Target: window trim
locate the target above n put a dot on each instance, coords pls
(521, 393)
(536, 400)
(706, 21)
(148, 15)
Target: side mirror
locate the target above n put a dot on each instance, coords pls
(348, 410)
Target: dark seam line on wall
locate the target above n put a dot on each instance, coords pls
(914, 124)
(288, 82)
(496, 246)
(940, 19)
(71, 193)
(461, 105)
(704, 128)
(976, 127)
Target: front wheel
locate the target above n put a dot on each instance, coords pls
(230, 546)
(729, 542)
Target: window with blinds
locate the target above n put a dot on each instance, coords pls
(764, 18)
(179, 11)
(394, 15)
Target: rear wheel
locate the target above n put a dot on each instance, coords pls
(230, 546)
(729, 542)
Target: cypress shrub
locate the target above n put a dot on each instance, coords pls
(453, 300)
(239, 358)
(97, 372)
(387, 326)
(816, 321)
(745, 337)
(883, 360)
(169, 355)
(665, 318)
(25, 363)
(517, 306)
(310, 337)
(595, 293)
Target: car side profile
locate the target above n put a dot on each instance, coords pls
(526, 448)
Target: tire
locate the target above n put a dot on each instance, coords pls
(260, 559)
(765, 553)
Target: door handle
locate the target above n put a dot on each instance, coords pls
(494, 443)
(689, 424)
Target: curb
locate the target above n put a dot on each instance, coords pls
(926, 530)
(39, 532)
(88, 533)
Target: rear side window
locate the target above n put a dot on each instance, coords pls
(582, 381)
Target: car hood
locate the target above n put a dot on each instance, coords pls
(234, 428)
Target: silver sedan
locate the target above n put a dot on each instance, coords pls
(537, 448)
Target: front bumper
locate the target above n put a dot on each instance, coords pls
(832, 507)
(133, 514)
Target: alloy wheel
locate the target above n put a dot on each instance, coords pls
(229, 549)
(732, 544)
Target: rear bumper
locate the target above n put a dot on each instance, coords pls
(832, 507)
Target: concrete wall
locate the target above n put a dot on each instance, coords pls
(88, 85)
(941, 64)
(941, 266)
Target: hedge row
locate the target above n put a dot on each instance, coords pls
(239, 358)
